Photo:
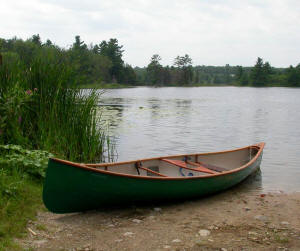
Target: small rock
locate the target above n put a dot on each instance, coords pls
(157, 209)
(252, 233)
(110, 225)
(261, 218)
(128, 234)
(151, 217)
(176, 241)
(247, 208)
(167, 247)
(200, 243)
(223, 249)
(284, 223)
(118, 240)
(39, 243)
(211, 240)
(136, 221)
(204, 232)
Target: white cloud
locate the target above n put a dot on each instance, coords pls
(212, 32)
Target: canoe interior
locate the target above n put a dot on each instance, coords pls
(216, 162)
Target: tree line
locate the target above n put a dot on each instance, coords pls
(99, 63)
(103, 63)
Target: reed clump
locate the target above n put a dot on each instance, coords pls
(42, 108)
(43, 114)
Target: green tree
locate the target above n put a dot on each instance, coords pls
(48, 43)
(114, 52)
(261, 73)
(241, 76)
(36, 39)
(293, 75)
(154, 70)
(184, 67)
(129, 75)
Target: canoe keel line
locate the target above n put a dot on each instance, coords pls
(73, 187)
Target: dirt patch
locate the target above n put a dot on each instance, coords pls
(233, 220)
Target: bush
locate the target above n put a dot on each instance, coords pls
(14, 158)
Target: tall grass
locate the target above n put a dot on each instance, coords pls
(41, 108)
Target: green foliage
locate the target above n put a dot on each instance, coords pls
(20, 197)
(184, 69)
(241, 76)
(42, 109)
(90, 64)
(114, 52)
(102, 64)
(261, 73)
(28, 162)
(21, 172)
(154, 71)
(293, 76)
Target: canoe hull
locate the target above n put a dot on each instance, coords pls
(69, 189)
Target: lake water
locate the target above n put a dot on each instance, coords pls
(149, 122)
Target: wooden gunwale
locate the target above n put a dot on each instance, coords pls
(91, 167)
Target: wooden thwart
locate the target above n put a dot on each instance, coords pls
(139, 166)
(212, 167)
(183, 164)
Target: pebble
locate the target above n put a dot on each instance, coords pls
(204, 232)
(157, 209)
(128, 234)
(118, 240)
(261, 218)
(223, 249)
(252, 233)
(167, 247)
(200, 243)
(39, 242)
(136, 221)
(284, 223)
(176, 241)
(247, 208)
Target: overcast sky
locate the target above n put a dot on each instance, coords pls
(212, 32)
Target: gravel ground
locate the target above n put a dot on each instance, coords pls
(233, 220)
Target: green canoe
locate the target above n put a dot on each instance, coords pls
(73, 187)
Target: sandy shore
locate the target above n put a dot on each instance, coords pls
(233, 220)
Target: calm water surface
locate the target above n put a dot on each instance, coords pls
(150, 122)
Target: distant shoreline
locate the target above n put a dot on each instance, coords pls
(122, 86)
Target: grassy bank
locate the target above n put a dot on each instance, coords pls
(21, 175)
(41, 111)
